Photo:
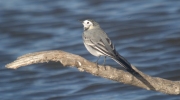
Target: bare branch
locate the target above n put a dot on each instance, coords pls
(68, 59)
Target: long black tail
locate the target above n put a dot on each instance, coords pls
(124, 63)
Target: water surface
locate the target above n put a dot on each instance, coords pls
(146, 33)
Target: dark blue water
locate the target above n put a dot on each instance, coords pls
(146, 32)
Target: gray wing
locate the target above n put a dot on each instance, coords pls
(99, 41)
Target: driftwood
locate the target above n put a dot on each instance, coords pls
(68, 59)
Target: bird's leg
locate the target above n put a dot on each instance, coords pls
(104, 60)
(104, 63)
(97, 60)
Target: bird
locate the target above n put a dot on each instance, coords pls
(99, 44)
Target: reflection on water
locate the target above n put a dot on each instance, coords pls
(145, 32)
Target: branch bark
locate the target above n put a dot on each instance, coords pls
(68, 59)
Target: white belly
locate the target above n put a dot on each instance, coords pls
(92, 51)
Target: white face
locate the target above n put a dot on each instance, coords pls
(87, 24)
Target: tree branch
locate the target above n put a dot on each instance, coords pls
(68, 59)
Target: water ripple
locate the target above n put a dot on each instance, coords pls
(144, 32)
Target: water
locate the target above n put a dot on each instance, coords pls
(147, 33)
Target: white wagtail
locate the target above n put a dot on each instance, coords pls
(98, 44)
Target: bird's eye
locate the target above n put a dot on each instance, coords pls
(87, 22)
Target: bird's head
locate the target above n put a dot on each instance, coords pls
(89, 24)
